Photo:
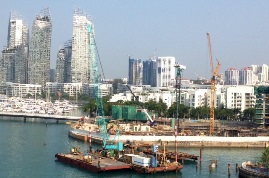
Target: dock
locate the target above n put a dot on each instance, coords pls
(93, 163)
(24, 116)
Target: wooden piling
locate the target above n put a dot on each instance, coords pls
(229, 169)
(236, 167)
(200, 154)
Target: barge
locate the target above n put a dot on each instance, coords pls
(91, 162)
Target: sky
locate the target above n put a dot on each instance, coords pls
(239, 31)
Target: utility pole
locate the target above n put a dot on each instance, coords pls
(179, 70)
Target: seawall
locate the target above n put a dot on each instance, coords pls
(182, 141)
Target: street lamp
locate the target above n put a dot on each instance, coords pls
(179, 70)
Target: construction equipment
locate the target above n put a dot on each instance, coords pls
(96, 80)
(215, 74)
(152, 122)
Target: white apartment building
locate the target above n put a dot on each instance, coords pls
(241, 97)
(22, 90)
(166, 72)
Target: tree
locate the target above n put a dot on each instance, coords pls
(90, 107)
(265, 157)
(248, 114)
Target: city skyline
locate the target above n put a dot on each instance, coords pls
(141, 28)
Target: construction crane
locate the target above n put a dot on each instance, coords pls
(96, 80)
(215, 74)
(152, 122)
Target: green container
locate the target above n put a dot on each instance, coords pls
(141, 116)
(129, 112)
(116, 112)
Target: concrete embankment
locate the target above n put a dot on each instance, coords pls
(182, 141)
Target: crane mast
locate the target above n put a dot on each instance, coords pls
(213, 88)
(96, 80)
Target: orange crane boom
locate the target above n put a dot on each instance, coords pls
(215, 74)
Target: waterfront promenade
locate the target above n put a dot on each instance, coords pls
(24, 116)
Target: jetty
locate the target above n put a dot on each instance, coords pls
(24, 116)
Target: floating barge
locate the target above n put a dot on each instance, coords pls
(249, 170)
(92, 162)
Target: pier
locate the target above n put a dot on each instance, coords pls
(24, 116)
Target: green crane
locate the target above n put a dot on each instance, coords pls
(96, 81)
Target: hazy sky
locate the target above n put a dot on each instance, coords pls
(239, 30)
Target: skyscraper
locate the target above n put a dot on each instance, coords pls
(135, 75)
(39, 49)
(59, 73)
(17, 31)
(166, 72)
(81, 60)
(63, 63)
(14, 56)
(149, 72)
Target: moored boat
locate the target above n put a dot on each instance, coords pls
(251, 170)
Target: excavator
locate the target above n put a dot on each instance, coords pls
(149, 118)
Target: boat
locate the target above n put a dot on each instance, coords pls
(150, 170)
(251, 170)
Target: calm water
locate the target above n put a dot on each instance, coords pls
(28, 149)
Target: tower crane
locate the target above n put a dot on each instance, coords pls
(215, 74)
(96, 80)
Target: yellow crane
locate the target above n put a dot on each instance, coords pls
(215, 74)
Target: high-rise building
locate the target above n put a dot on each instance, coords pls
(14, 56)
(263, 73)
(246, 76)
(67, 60)
(166, 72)
(231, 76)
(149, 72)
(81, 62)
(135, 75)
(39, 49)
(17, 31)
(59, 73)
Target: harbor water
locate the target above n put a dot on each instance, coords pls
(28, 149)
